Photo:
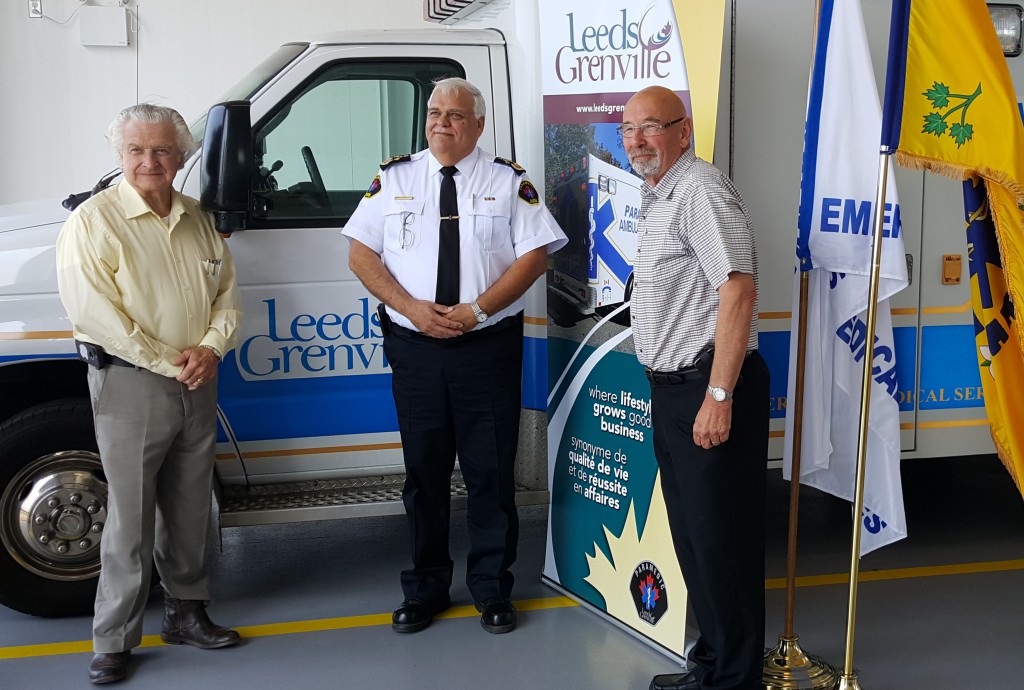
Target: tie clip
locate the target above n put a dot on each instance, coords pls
(449, 217)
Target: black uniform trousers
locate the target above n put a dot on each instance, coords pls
(459, 395)
(715, 500)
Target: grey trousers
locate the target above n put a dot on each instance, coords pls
(156, 439)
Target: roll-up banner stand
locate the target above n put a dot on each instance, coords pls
(608, 543)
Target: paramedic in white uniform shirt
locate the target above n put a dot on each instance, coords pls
(452, 280)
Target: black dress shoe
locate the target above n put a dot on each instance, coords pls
(412, 616)
(675, 681)
(109, 668)
(497, 615)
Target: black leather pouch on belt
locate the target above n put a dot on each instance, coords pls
(703, 360)
(385, 320)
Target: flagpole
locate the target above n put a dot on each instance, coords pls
(787, 666)
(848, 679)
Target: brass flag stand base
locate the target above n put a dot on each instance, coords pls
(788, 667)
(848, 681)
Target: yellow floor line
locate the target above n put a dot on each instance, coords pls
(270, 629)
(556, 602)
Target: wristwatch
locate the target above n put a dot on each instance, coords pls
(212, 349)
(479, 313)
(719, 394)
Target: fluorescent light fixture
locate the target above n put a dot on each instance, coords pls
(1008, 20)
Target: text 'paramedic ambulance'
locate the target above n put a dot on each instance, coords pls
(307, 423)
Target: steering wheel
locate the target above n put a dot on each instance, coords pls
(314, 175)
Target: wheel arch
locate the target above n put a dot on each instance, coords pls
(30, 382)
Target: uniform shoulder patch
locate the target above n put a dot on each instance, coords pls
(395, 159)
(528, 193)
(374, 187)
(512, 164)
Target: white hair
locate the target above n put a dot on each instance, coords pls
(152, 114)
(455, 85)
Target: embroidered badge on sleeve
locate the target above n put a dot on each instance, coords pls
(528, 193)
(374, 187)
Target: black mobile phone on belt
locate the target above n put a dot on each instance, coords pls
(90, 354)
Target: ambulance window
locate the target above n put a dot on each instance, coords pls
(317, 154)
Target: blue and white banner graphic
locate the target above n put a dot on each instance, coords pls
(837, 193)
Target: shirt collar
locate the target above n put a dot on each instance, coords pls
(134, 205)
(667, 184)
(466, 166)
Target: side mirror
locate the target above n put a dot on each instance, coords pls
(227, 165)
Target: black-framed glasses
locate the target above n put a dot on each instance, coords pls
(648, 129)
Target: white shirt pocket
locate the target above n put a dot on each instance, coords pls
(489, 220)
(403, 225)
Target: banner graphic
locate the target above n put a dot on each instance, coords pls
(608, 536)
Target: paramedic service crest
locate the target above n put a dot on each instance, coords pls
(647, 588)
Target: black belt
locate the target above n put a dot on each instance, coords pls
(503, 325)
(118, 362)
(668, 378)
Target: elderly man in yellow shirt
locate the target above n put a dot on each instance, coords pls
(149, 287)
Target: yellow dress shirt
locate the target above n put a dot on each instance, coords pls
(144, 290)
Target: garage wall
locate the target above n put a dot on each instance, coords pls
(57, 96)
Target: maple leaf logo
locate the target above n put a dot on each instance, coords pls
(935, 123)
(649, 593)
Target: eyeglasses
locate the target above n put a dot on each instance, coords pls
(406, 238)
(647, 129)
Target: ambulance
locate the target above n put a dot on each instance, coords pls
(597, 204)
(307, 427)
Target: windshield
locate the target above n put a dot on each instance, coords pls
(248, 85)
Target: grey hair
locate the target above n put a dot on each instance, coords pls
(455, 85)
(152, 114)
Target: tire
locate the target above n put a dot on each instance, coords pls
(623, 317)
(52, 508)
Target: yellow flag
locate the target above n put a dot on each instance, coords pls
(950, 107)
(960, 112)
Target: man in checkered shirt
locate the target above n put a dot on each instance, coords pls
(695, 285)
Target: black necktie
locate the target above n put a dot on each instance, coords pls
(448, 241)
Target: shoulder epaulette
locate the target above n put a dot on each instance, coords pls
(512, 164)
(395, 159)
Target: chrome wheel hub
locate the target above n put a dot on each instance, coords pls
(52, 515)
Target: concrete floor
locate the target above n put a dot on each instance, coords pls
(943, 609)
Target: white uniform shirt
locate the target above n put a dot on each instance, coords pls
(501, 218)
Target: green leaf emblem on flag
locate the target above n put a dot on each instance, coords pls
(935, 123)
